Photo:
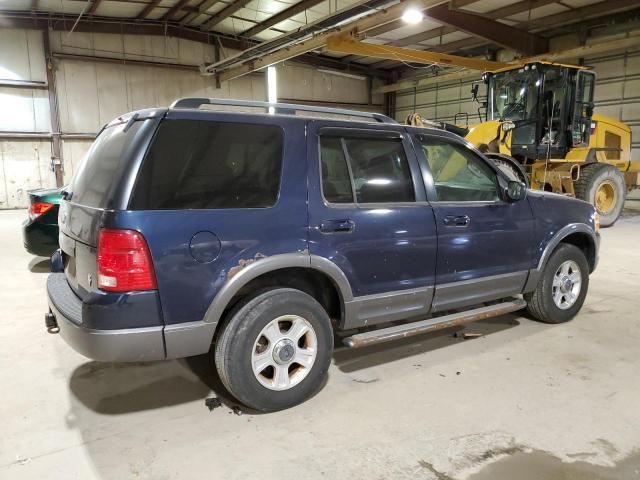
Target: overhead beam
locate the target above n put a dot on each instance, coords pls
(450, 47)
(359, 26)
(148, 8)
(496, 32)
(346, 44)
(226, 12)
(94, 6)
(582, 13)
(173, 10)
(539, 24)
(202, 8)
(578, 52)
(496, 14)
(280, 17)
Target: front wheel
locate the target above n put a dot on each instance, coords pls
(275, 350)
(602, 185)
(562, 289)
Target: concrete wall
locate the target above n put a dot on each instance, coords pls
(91, 92)
(617, 91)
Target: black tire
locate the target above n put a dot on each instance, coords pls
(510, 167)
(237, 340)
(592, 177)
(540, 303)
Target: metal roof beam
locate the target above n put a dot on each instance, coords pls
(173, 10)
(280, 17)
(94, 6)
(496, 32)
(148, 8)
(202, 8)
(226, 12)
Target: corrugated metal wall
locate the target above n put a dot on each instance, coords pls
(617, 93)
(92, 92)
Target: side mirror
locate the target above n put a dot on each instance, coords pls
(516, 191)
(589, 111)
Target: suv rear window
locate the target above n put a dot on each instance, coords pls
(93, 181)
(198, 164)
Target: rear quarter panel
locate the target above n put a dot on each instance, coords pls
(187, 287)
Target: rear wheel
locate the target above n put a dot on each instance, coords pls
(562, 289)
(603, 186)
(275, 350)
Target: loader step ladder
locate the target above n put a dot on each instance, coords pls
(431, 324)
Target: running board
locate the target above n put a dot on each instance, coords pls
(423, 326)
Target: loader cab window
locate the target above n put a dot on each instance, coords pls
(513, 94)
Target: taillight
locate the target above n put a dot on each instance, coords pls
(39, 208)
(124, 262)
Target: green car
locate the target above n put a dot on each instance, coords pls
(40, 230)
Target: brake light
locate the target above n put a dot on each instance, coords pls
(124, 262)
(37, 209)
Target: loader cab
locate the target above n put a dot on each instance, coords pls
(546, 107)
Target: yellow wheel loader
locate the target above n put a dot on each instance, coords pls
(540, 127)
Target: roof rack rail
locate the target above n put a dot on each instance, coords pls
(285, 108)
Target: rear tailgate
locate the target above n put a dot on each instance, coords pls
(100, 187)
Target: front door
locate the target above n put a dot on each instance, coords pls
(484, 242)
(368, 214)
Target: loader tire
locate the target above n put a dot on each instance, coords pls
(602, 185)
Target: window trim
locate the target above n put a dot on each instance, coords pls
(344, 133)
(429, 182)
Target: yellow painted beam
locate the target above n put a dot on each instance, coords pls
(346, 44)
(578, 52)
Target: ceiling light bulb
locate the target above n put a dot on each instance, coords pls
(412, 16)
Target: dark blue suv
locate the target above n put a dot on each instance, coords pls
(264, 233)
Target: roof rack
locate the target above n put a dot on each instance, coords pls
(283, 108)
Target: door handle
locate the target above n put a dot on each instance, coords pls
(337, 226)
(457, 220)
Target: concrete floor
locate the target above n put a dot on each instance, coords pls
(557, 401)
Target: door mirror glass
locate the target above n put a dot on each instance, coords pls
(516, 190)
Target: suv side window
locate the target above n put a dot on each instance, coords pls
(374, 170)
(203, 164)
(458, 174)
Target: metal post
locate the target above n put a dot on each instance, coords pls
(56, 140)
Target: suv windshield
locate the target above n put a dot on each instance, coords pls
(513, 95)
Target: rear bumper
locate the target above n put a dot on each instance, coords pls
(40, 238)
(118, 345)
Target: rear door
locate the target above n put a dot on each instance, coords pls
(369, 215)
(485, 244)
